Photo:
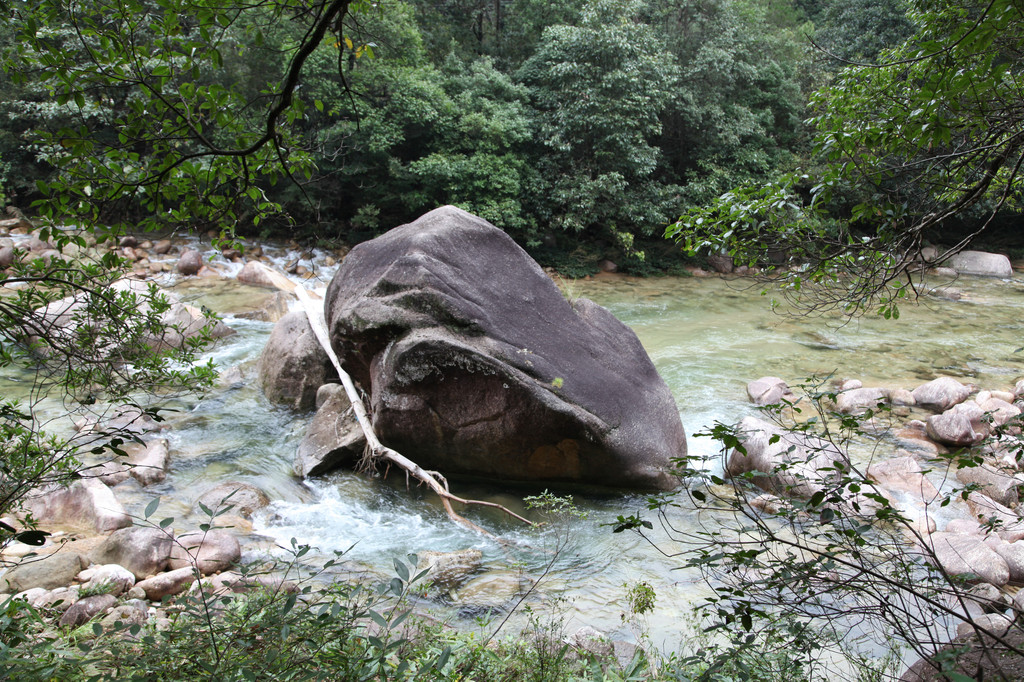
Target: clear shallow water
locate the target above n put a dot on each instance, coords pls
(708, 338)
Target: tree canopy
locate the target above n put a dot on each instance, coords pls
(920, 145)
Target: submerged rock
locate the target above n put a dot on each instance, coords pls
(477, 365)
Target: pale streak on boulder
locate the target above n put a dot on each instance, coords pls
(86, 502)
(796, 465)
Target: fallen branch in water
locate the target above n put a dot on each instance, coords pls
(314, 310)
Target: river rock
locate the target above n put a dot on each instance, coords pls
(143, 551)
(859, 400)
(491, 592)
(186, 322)
(243, 498)
(168, 583)
(84, 610)
(62, 319)
(990, 513)
(477, 365)
(769, 391)
(904, 475)
(794, 465)
(111, 578)
(962, 555)
(132, 612)
(48, 572)
(589, 640)
(1012, 553)
(86, 502)
(981, 263)
(293, 365)
(1000, 411)
(720, 263)
(960, 426)
(975, 657)
(334, 438)
(941, 394)
(964, 527)
(447, 570)
(210, 551)
(913, 436)
(147, 463)
(256, 274)
(8, 254)
(57, 600)
(190, 262)
(994, 483)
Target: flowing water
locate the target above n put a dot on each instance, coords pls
(707, 337)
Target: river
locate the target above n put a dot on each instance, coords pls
(708, 337)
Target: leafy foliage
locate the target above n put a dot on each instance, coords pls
(909, 146)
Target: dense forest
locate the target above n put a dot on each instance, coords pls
(594, 123)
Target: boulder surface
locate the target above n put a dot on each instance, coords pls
(476, 365)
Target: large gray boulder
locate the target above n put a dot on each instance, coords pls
(981, 263)
(293, 365)
(476, 365)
